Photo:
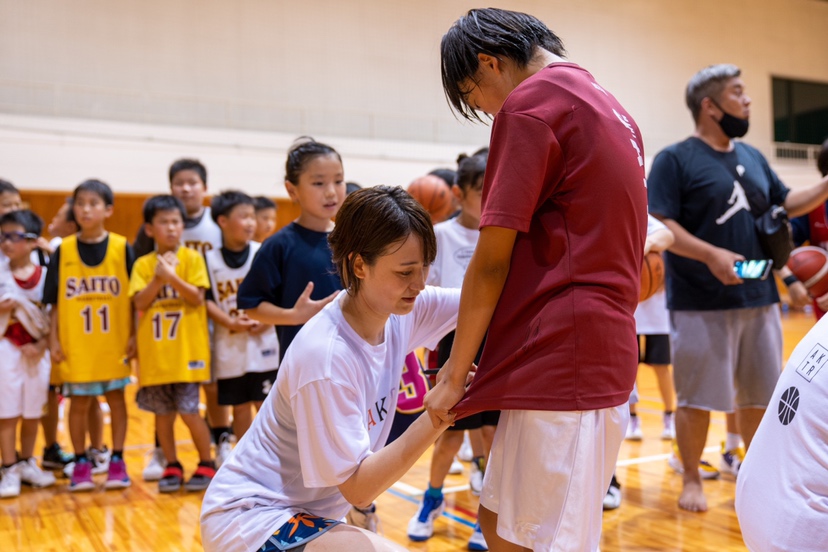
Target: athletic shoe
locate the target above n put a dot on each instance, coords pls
(634, 432)
(171, 479)
(224, 448)
(201, 478)
(421, 526)
(10, 482)
(476, 471)
(731, 460)
(364, 519)
(612, 500)
(117, 476)
(156, 465)
(55, 458)
(706, 469)
(466, 454)
(31, 474)
(81, 476)
(100, 459)
(669, 431)
(477, 541)
(456, 467)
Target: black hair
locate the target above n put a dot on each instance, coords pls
(494, 32)
(446, 175)
(710, 82)
(97, 187)
(7, 187)
(260, 203)
(370, 221)
(470, 169)
(822, 159)
(31, 223)
(159, 203)
(224, 203)
(303, 150)
(189, 165)
(351, 187)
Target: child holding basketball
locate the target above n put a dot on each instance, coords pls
(24, 370)
(245, 352)
(316, 447)
(167, 287)
(456, 240)
(92, 331)
(292, 276)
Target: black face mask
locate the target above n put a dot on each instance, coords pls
(733, 127)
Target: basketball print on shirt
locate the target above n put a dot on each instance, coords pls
(788, 404)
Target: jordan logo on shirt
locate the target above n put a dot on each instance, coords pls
(738, 199)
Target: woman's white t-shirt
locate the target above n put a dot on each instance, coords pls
(332, 407)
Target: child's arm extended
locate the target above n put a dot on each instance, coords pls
(304, 309)
(659, 241)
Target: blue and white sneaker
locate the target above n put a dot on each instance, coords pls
(421, 526)
(477, 541)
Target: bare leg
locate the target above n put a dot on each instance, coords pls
(49, 421)
(217, 415)
(201, 435)
(445, 448)
(28, 435)
(488, 524)
(487, 432)
(96, 424)
(117, 417)
(164, 430)
(8, 440)
(346, 537)
(665, 386)
(691, 435)
(78, 422)
(748, 419)
(477, 444)
(242, 418)
(731, 423)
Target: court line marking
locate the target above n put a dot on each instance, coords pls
(409, 498)
(654, 458)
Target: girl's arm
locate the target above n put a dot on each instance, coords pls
(385, 467)
(482, 287)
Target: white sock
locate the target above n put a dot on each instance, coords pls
(733, 441)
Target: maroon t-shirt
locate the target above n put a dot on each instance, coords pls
(566, 170)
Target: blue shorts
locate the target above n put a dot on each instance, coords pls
(94, 388)
(297, 532)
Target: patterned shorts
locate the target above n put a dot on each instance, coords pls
(297, 532)
(169, 398)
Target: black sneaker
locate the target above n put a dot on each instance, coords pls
(55, 458)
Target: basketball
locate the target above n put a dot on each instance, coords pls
(810, 266)
(433, 194)
(652, 275)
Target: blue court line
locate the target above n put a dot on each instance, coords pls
(404, 496)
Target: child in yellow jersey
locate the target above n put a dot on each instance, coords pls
(91, 338)
(167, 287)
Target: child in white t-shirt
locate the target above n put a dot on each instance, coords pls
(316, 446)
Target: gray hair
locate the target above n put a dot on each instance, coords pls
(708, 83)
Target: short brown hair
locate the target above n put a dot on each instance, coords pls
(369, 222)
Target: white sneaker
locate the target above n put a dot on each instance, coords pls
(31, 474)
(156, 465)
(466, 454)
(421, 526)
(364, 519)
(612, 499)
(10, 482)
(100, 459)
(669, 431)
(224, 448)
(456, 467)
(634, 432)
(475, 478)
(477, 541)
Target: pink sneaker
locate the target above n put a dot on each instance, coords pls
(117, 477)
(82, 477)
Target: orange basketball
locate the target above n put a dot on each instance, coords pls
(433, 194)
(810, 266)
(652, 275)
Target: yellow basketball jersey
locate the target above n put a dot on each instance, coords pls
(172, 338)
(94, 313)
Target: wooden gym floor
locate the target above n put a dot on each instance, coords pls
(139, 518)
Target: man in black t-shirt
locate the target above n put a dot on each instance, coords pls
(726, 332)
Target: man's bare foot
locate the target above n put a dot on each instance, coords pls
(692, 497)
